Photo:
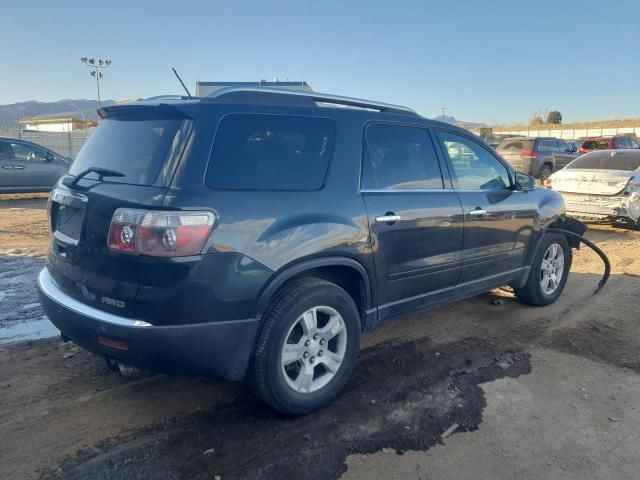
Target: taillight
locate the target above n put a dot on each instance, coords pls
(159, 233)
(548, 183)
(582, 150)
(528, 154)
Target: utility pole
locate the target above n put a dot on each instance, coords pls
(96, 65)
(443, 109)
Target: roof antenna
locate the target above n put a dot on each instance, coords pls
(181, 82)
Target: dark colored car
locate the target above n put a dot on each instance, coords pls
(537, 156)
(607, 143)
(258, 233)
(26, 167)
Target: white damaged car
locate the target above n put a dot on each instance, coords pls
(601, 185)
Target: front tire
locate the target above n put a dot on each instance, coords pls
(307, 347)
(549, 271)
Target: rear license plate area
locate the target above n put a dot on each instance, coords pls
(69, 221)
(67, 216)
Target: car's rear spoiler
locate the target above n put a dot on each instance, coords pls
(151, 109)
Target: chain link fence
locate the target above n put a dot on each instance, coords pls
(67, 144)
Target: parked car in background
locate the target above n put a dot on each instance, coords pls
(256, 233)
(607, 143)
(602, 185)
(537, 156)
(26, 167)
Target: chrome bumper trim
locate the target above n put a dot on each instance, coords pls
(49, 288)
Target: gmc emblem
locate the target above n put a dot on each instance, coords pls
(112, 302)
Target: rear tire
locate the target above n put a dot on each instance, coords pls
(545, 172)
(549, 271)
(307, 347)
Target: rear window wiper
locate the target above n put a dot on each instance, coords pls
(102, 172)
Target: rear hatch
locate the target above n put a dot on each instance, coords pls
(598, 173)
(139, 147)
(518, 152)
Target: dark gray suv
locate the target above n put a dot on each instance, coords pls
(537, 156)
(258, 232)
(26, 167)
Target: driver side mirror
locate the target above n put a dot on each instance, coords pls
(524, 182)
(48, 157)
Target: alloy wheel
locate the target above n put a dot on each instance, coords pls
(314, 349)
(552, 269)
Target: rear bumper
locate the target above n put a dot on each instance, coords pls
(214, 349)
(603, 207)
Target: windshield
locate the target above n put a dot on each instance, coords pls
(599, 161)
(136, 148)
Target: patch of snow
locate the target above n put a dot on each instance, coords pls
(31, 330)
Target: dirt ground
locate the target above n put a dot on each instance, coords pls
(480, 389)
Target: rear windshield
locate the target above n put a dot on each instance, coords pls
(270, 152)
(515, 145)
(136, 148)
(596, 144)
(599, 161)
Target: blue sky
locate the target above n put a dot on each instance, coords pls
(482, 60)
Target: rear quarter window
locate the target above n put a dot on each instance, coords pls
(270, 152)
(515, 146)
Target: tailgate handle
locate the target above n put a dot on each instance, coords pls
(388, 218)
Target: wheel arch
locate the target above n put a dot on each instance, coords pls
(345, 272)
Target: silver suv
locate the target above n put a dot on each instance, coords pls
(537, 156)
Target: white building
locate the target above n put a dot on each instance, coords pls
(206, 88)
(55, 124)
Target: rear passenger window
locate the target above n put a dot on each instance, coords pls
(398, 157)
(270, 152)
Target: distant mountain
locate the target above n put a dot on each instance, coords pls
(81, 109)
(460, 123)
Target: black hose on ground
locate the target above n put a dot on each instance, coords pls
(592, 246)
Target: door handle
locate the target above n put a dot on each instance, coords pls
(18, 167)
(477, 212)
(8, 167)
(388, 218)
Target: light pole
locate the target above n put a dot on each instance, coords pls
(96, 65)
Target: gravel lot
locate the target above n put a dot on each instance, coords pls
(473, 390)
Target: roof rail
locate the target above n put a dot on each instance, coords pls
(164, 97)
(318, 97)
